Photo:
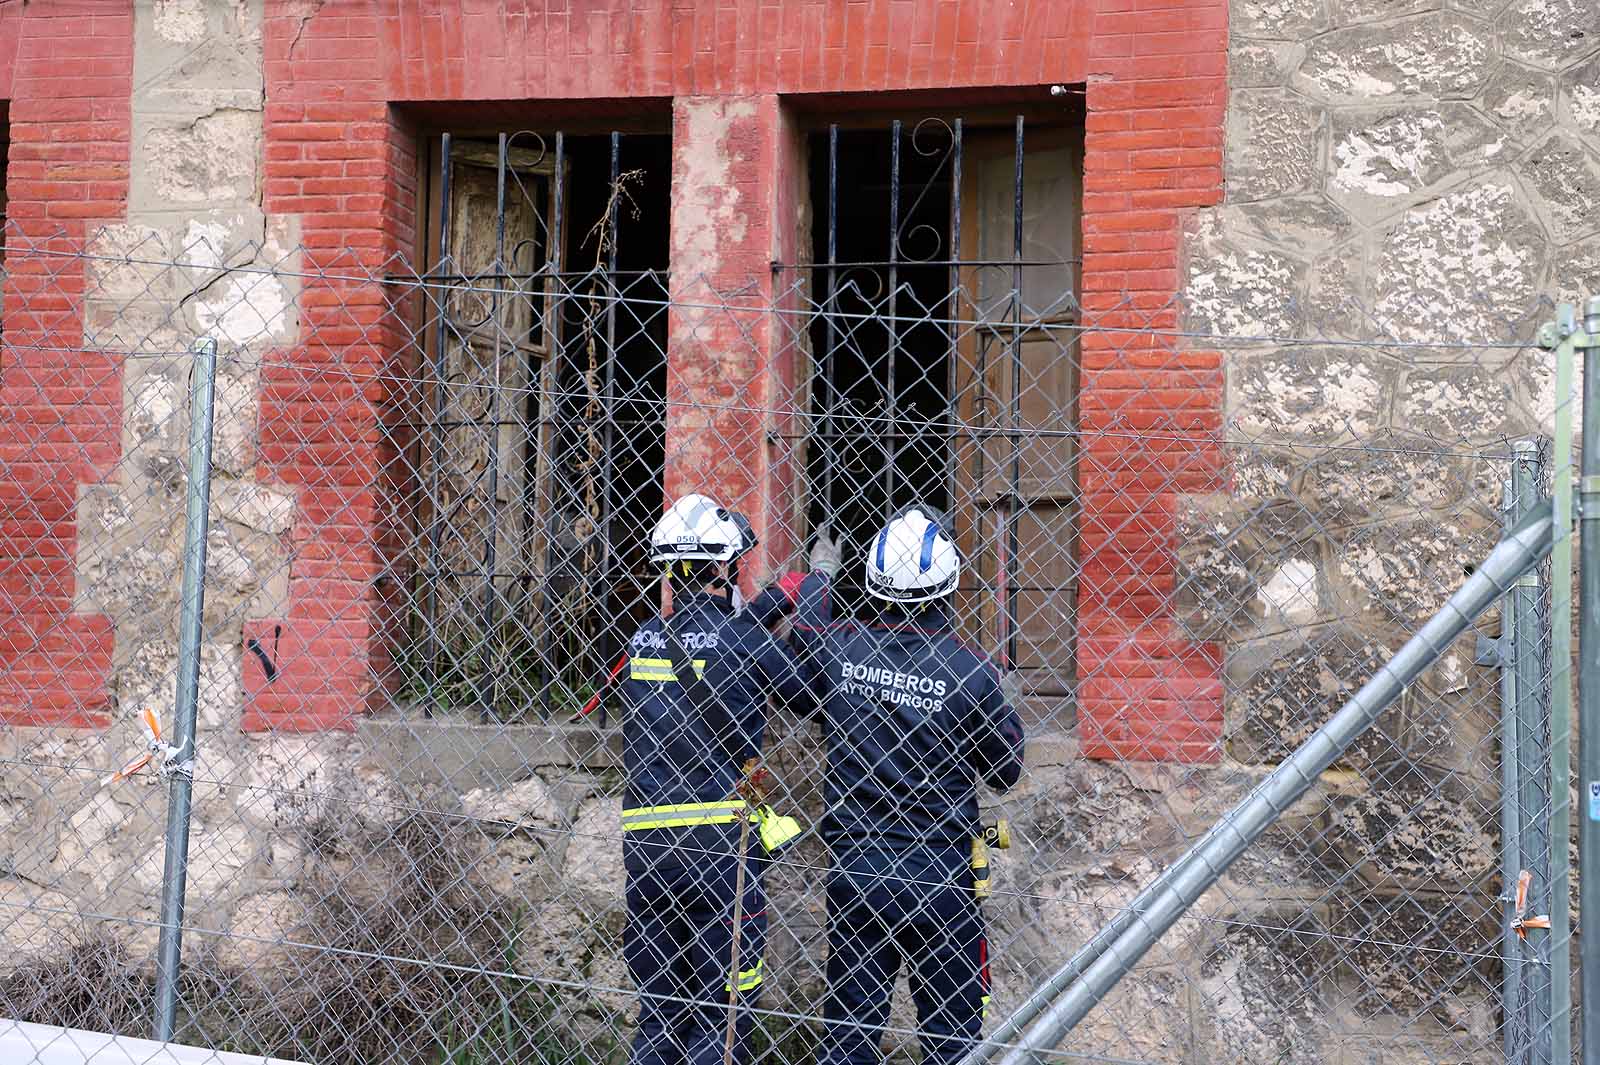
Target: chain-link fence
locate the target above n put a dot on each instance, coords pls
(430, 500)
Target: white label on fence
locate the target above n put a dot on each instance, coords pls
(1594, 800)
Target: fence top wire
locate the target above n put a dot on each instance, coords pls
(418, 282)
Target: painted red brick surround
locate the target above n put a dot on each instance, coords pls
(342, 76)
(66, 70)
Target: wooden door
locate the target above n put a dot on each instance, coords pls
(1016, 380)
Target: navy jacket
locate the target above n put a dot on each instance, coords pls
(675, 751)
(912, 719)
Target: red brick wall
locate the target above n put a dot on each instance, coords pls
(66, 69)
(1155, 71)
(340, 156)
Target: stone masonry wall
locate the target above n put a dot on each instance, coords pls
(1395, 173)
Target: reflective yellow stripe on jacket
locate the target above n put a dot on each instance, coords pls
(750, 978)
(681, 815)
(659, 670)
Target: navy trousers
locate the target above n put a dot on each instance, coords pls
(885, 910)
(678, 946)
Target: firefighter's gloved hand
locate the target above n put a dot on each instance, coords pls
(826, 553)
(1011, 687)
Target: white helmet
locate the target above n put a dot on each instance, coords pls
(695, 527)
(912, 559)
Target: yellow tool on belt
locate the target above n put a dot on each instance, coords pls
(998, 836)
(755, 786)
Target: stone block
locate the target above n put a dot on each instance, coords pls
(1390, 470)
(593, 861)
(1352, 12)
(1439, 54)
(1411, 954)
(1283, 689)
(208, 160)
(1337, 304)
(1388, 157)
(1521, 100)
(36, 922)
(147, 679)
(1580, 95)
(1263, 989)
(258, 507)
(1534, 371)
(1301, 223)
(1465, 267)
(1565, 174)
(258, 930)
(1401, 571)
(1415, 829)
(529, 802)
(234, 420)
(1239, 292)
(250, 311)
(1550, 34)
(1288, 19)
(127, 263)
(1317, 395)
(1261, 64)
(1273, 144)
(1260, 474)
(155, 409)
(1455, 404)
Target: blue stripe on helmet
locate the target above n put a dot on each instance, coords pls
(928, 536)
(883, 542)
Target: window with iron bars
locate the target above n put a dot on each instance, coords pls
(939, 309)
(537, 454)
(942, 314)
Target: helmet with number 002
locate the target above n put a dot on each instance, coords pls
(913, 559)
(695, 528)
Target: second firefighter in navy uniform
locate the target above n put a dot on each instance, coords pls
(912, 720)
(696, 690)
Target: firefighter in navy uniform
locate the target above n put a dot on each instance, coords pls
(912, 720)
(696, 693)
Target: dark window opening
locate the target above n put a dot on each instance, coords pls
(944, 304)
(539, 449)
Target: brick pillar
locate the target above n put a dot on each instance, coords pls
(733, 358)
(60, 405)
(339, 158)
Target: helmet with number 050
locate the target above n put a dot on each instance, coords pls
(913, 559)
(695, 528)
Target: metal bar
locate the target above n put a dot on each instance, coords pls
(180, 762)
(955, 261)
(1015, 500)
(608, 460)
(430, 613)
(952, 334)
(1069, 995)
(488, 679)
(893, 320)
(1560, 1027)
(1513, 1027)
(831, 452)
(553, 335)
(1589, 691)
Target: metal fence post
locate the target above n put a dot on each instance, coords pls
(1559, 337)
(180, 764)
(1527, 799)
(1589, 688)
(1182, 883)
(1533, 669)
(1503, 653)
